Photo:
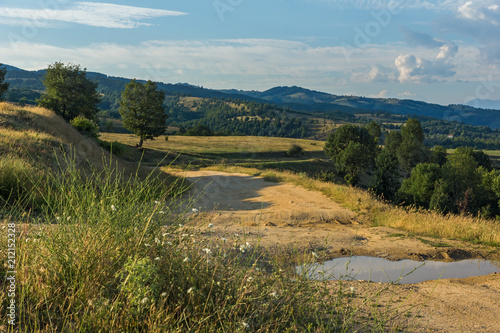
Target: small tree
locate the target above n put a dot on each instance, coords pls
(142, 110)
(375, 130)
(4, 86)
(352, 149)
(69, 93)
(386, 180)
(412, 150)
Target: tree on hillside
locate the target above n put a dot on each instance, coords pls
(142, 110)
(352, 149)
(3, 85)
(386, 178)
(375, 130)
(419, 188)
(69, 92)
(392, 141)
(412, 150)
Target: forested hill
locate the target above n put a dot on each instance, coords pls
(28, 84)
(302, 99)
(281, 111)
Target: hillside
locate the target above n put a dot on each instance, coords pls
(35, 140)
(28, 84)
(304, 99)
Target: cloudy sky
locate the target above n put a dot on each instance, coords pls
(443, 51)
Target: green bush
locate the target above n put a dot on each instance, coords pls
(86, 126)
(295, 151)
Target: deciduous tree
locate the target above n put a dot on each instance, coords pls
(142, 110)
(69, 92)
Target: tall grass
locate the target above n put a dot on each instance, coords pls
(107, 253)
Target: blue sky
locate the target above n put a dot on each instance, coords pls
(442, 51)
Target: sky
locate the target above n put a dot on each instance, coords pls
(440, 51)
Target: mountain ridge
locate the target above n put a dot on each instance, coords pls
(294, 97)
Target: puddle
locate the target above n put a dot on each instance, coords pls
(406, 271)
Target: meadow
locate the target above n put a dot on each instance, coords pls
(101, 246)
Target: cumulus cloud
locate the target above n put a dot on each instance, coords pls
(479, 19)
(87, 13)
(417, 69)
(374, 73)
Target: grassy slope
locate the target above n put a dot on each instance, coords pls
(34, 137)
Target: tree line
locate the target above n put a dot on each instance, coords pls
(406, 172)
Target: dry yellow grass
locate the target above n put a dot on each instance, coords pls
(378, 213)
(217, 144)
(33, 134)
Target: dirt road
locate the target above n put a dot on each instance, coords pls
(284, 215)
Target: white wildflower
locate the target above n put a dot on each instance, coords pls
(207, 251)
(224, 239)
(190, 290)
(161, 212)
(250, 279)
(195, 210)
(274, 294)
(113, 208)
(157, 202)
(157, 258)
(144, 300)
(186, 259)
(245, 325)
(163, 295)
(184, 235)
(211, 225)
(353, 290)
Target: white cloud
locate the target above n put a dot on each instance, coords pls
(417, 69)
(382, 94)
(87, 13)
(440, 5)
(479, 19)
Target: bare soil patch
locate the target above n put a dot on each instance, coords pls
(287, 216)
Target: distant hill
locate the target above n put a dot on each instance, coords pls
(485, 104)
(302, 99)
(295, 98)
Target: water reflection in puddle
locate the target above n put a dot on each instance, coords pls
(406, 271)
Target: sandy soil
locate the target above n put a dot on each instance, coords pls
(284, 215)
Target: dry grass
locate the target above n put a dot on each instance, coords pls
(217, 144)
(38, 134)
(378, 213)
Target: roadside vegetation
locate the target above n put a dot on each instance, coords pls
(100, 248)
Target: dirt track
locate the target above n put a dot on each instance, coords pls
(286, 215)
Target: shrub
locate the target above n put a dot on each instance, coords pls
(295, 151)
(86, 126)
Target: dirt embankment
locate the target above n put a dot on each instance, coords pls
(285, 215)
